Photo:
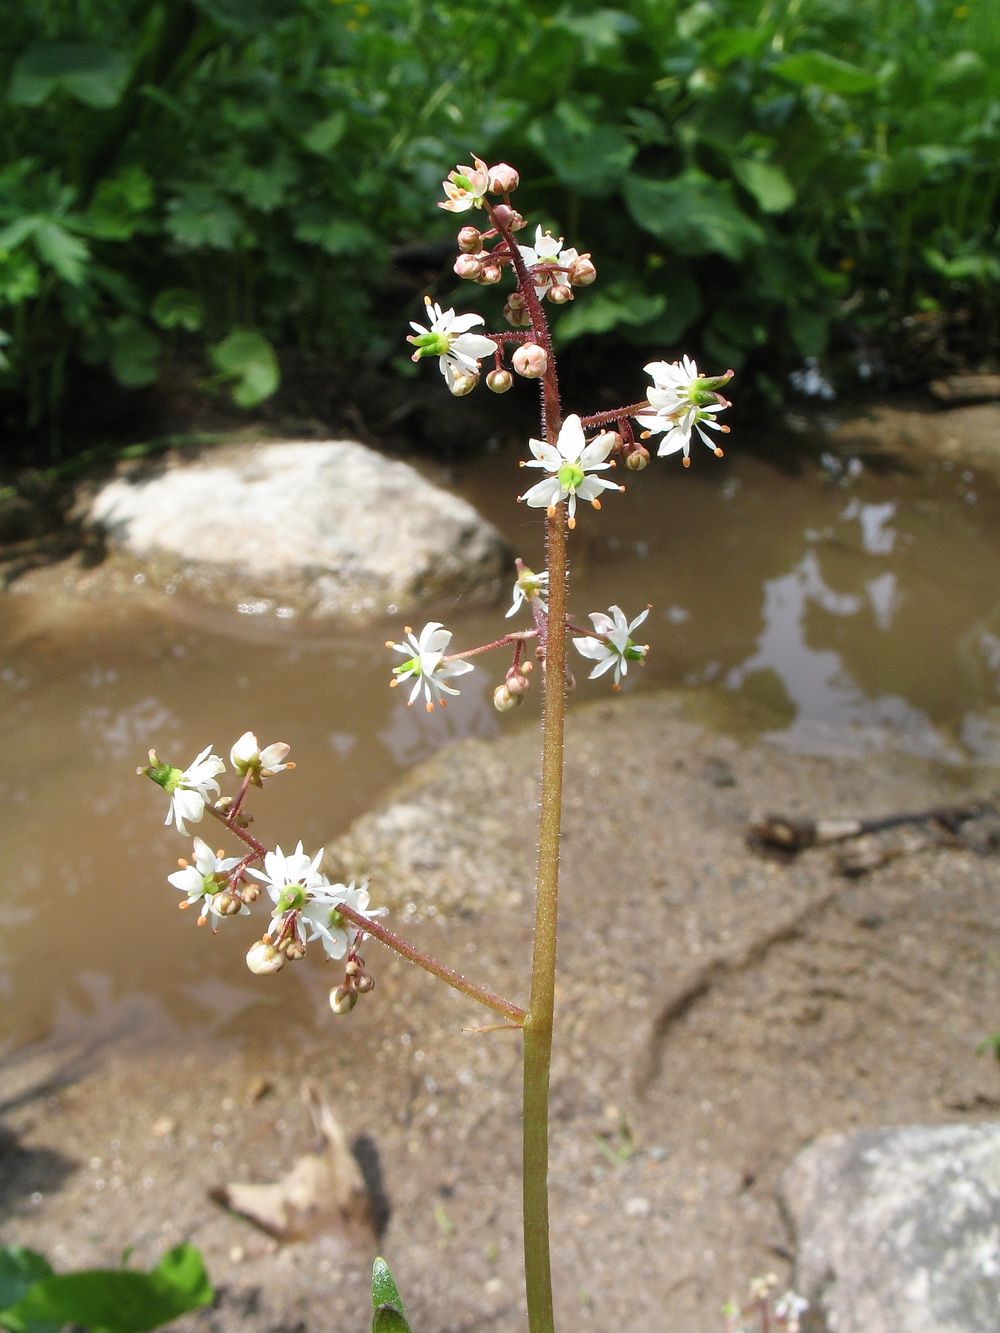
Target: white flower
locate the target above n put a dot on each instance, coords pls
(569, 460)
(287, 878)
(204, 881)
(789, 1308)
(683, 401)
(614, 648)
(426, 663)
(465, 187)
(191, 790)
(529, 587)
(549, 260)
(325, 922)
(246, 756)
(457, 350)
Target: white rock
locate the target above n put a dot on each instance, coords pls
(325, 528)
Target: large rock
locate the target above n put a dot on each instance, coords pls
(899, 1229)
(324, 529)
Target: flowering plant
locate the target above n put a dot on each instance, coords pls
(574, 452)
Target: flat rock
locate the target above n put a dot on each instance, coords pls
(899, 1229)
(326, 528)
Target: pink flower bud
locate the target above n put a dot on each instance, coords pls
(559, 293)
(503, 179)
(517, 316)
(582, 271)
(499, 380)
(468, 266)
(530, 361)
(508, 217)
(517, 684)
(490, 274)
(470, 240)
(504, 701)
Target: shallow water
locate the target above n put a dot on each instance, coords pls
(833, 608)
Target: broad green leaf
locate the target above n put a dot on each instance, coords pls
(325, 134)
(693, 214)
(824, 71)
(247, 357)
(809, 329)
(18, 231)
(768, 184)
(20, 279)
(20, 1269)
(135, 354)
(337, 236)
(607, 308)
(600, 32)
(201, 217)
(247, 15)
(93, 74)
(965, 72)
(115, 1300)
(730, 44)
(178, 308)
(119, 204)
(587, 157)
(66, 253)
(389, 1312)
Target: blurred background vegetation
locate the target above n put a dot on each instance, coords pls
(215, 193)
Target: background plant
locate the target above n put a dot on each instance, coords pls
(225, 185)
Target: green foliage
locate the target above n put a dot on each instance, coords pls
(33, 1299)
(389, 1312)
(216, 179)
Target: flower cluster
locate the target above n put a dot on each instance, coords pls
(683, 401)
(764, 1310)
(306, 906)
(458, 351)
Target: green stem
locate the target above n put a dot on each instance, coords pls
(539, 1021)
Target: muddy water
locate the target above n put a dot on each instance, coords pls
(827, 609)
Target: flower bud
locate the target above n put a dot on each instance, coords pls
(559, 293)
(503, 179)
(504, 701)
(490, 274)
(516, 315)
(342, 1001)
(468, 266)
(226, 904)
(499, 380)
(508, 217)
(470, 240)
(294, 949)
(517, 684)
(463, 382)
(364, 984)
(582, 271)
(249, 892)
(264, 959)
(530, 361)
(354, 967)
(637, 458)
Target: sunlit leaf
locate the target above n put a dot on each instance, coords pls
(825, 71)
(587, 157)
(247, 357)
(693, 214)
(608, 307)
(389, 1312)
(767, 183)
(66, 253)
(201, 217)
(178, 308)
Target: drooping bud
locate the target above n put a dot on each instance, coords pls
(518, 684)
(504, 701)
(364, 983)
(637, 458)
(226, 904)
(293, 949)
(264, 959)
(530, 361)
(503, 179)
(508, 217)
(516, 315)
(470, 240)
(463, 382)
(468, 266)
(490, 274)
(499, 380)
(559, 293)
(342, 1001)
(582, 271)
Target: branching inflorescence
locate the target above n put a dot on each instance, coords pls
(574, 453)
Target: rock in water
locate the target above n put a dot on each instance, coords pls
(326, 528)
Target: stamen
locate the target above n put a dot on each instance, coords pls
(596, 504)
(430, 706)
(687, 462)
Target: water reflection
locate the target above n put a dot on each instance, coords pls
(844, 609)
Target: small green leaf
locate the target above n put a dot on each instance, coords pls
(199, 216)
(178, 308)
(20, 1269)
(135, 354)
(66, 253)
(119, 203)
(116, 1301)
(768, 184)
(325, 134)
(247, 357)
(835, 76)
(389, 1312)
(94, 74)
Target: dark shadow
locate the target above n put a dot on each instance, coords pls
(28, 1171)
(366, 1155)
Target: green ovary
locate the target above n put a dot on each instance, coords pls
(570, 477)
